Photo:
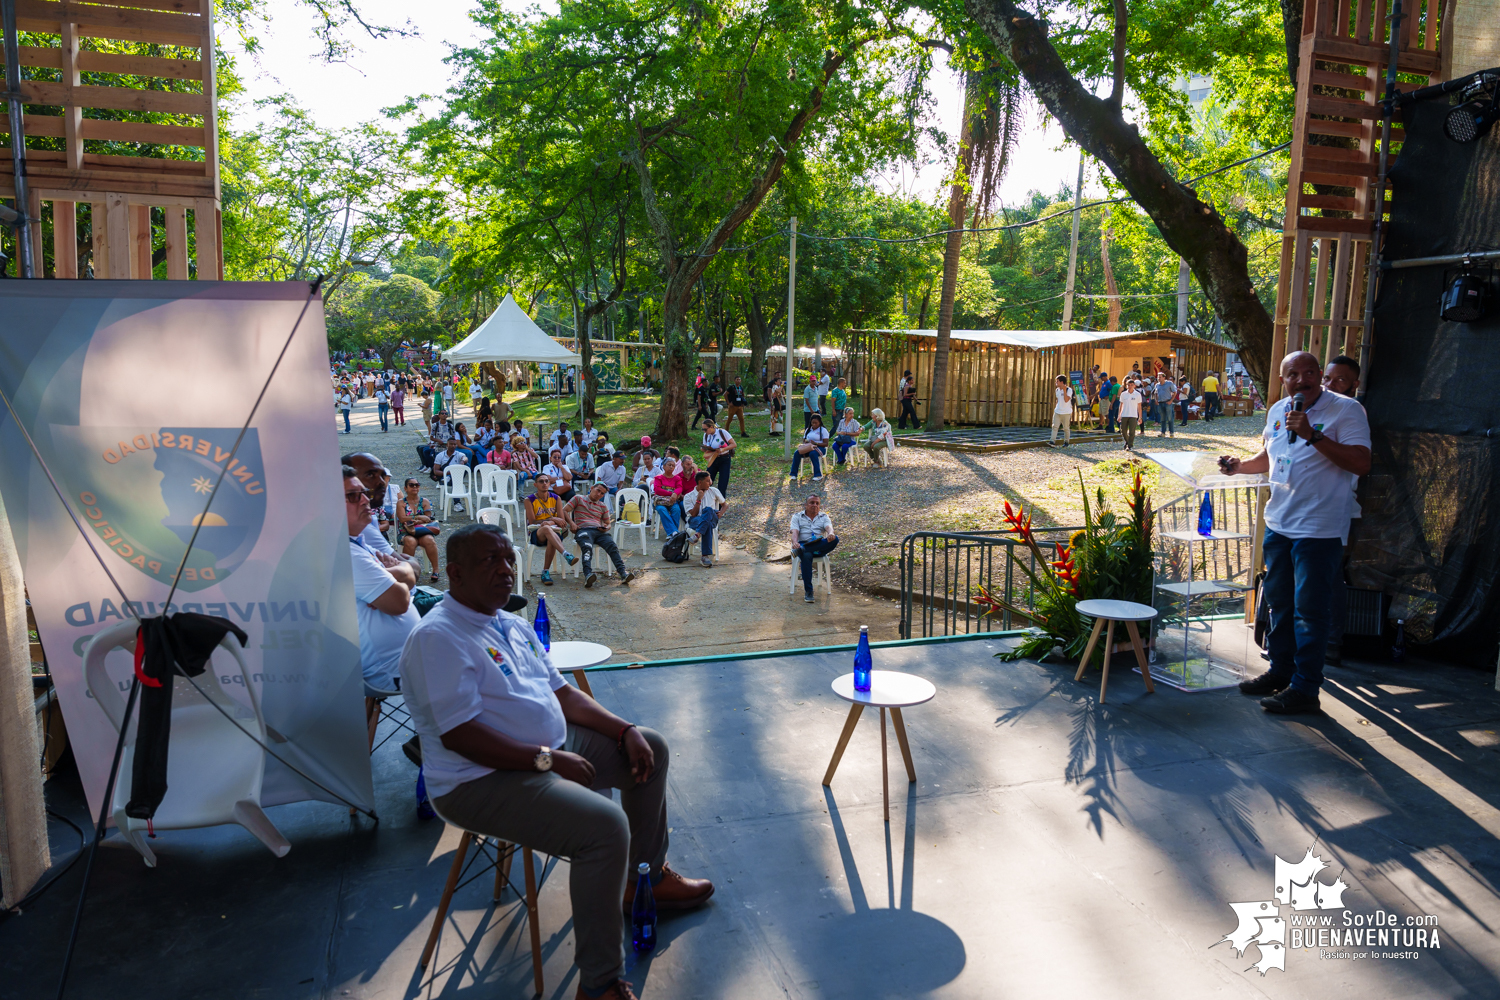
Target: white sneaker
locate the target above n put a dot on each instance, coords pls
(817, 479)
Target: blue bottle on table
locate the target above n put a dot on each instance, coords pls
(862, 660)
(643, 912)
(542, 624)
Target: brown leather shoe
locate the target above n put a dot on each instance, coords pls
(618, 990)
(674, 892)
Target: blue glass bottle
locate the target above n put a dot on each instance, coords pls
(643, 912)
(1206, 515)
(862, 660)
(542, 624)
(424, 804)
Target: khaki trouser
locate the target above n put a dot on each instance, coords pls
(1065, 421)
(602, 840)
(1127, 427)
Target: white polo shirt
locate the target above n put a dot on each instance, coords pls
(381, 636)
(460, 665)
(1310, 496)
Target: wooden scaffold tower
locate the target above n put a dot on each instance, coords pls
(1333, 195)
(102, 77)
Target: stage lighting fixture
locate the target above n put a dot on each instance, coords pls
(1470, 120)
(1478, 107)
(1464, 297)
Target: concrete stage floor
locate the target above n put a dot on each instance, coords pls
(1051, 848)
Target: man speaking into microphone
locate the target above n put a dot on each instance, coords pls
(1317, 446)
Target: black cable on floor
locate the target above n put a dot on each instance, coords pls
(35, 893)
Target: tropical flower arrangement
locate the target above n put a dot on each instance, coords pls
(1109, 558)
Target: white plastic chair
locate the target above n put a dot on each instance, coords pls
(484, 484)
(508, 494)
(500, 517)
(455, 486)
(214, 769)
(621, 526)
(822, 574)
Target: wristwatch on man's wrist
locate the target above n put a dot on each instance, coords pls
(543, 760)
(1317, 436)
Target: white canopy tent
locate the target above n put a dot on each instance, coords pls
(510, 335)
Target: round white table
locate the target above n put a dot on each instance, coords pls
(1110, 612)
(889, 689)
(575, 656)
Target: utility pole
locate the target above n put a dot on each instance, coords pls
(1184, 277)
(791, 311)
(1067, 321)
(24, 259)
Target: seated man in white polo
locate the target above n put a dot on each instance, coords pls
(382, 601)
(512, 751)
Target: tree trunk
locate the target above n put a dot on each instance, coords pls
(586, 367)
(1189, 226)
(677, 366)
(958, 198)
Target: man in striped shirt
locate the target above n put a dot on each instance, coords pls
(588, 517)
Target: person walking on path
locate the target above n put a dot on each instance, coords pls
(1109, 403)
(908, 394)
(700, 397)
(398, 404)
(1062, 410)
(1166, 404)
(383, 401)
(1130, 414)
(734, 404)
(344, 401)
(812, 538)
(704, 504)
(718, 453)
(1313, 457)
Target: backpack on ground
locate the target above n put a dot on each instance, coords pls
(676, 549)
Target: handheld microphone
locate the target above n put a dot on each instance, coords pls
(1298, 401)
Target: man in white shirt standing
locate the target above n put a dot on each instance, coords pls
(825, 384)
(1062, 410)
(511, 750)
(383, 400)
(812, 538)
(1130, 412)
(382, 603)
(1317, 445)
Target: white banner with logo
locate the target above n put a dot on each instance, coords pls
(134, 393)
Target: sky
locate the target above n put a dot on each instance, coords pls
(382, 73)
